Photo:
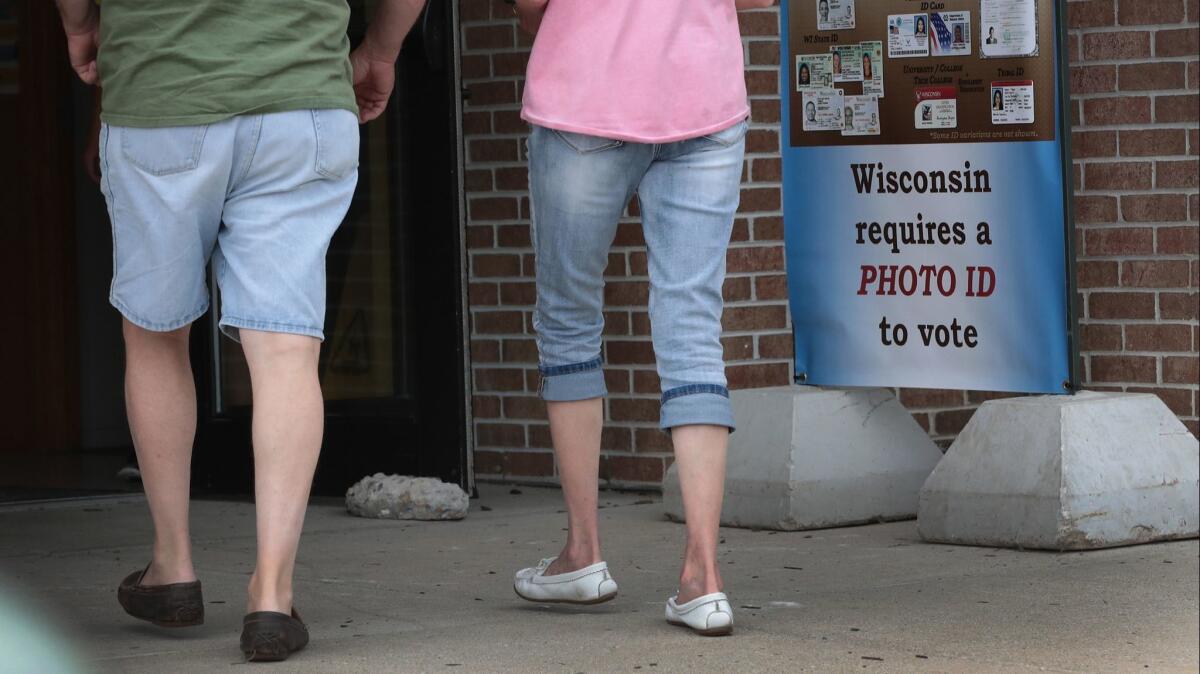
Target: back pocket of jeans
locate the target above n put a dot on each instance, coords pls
(337, 142)
(165, 150)
(585, 144)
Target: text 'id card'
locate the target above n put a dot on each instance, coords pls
(814, 71)
(823, 109)
(908, 35)
(937, 108)
(861, 117)
(835, 14)
(1012, 102)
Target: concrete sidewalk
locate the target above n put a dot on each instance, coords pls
(437, 597)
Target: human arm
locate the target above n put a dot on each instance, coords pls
(530, 13)
(91, 148)
(81, 23)
(374, 61)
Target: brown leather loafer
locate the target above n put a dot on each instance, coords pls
(270, 636)
(172, 605)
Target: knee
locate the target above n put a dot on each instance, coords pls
(137, 337)
(268, 349)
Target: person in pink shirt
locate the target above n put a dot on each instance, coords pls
(628, 97)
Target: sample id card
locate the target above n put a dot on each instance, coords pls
(847, 63)
(1012, 102)
(835, 14)
(872, 68)
(937, 108)
(814, 71)
(908, 35)
(823, 109)
(951, 33)
(861, 116)
(1008, 28)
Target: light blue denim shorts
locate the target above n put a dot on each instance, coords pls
(259, 196)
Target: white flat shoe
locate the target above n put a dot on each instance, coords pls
(710, 615)
(589, 585)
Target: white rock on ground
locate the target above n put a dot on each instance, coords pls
(401, 497)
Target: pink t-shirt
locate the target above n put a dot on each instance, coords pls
(646, 71)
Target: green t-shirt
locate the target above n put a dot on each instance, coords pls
(183, 62)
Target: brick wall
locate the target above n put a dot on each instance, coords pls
(1134, 81)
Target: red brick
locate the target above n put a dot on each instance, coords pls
(1085, 144)
(1129, 44)
(736, 289)
(770, 287)
(1093, 79)
(1095, 209)
(1168, 337)
(1178, 42)
(1154, 207)
(1184, 108)
(738, 347)
(485, 351)
(519, 351)
(1123, 369)
(646, 381)
(488, 37)
(1181, 370)
(623, 352)
(1118, 175)
(1179, 306)
(1096, 274)
(500, 435)
(1121, 305)
(1179, 240)
(1177, 174)
(1090, 14)
(1152, 76)
(768, 228)
(1099, 337)
(754, 318)
(499, 379)
(485, 407)
(758, 375)
(495, 265)
(776, 346)
(1144, 12)
(1119, 241)
(651, 440)
(917, 398)
(631, 468)
(498, 322)
(1150, 142)
(633, 409)
(951, 422)
(754, 259)
(1155, 273)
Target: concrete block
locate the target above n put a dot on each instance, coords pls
(807, 458)
(1093, 470)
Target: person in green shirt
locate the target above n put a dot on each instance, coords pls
(230, 136)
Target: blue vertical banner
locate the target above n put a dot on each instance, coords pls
(926, 179)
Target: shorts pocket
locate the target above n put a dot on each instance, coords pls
(727, 137)
(585, 144)
(337, 142)
(164, 150)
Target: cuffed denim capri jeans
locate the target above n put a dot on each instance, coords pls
(688, 194)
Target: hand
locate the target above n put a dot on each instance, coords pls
(374, 79)
(81, 49)
(91, 157)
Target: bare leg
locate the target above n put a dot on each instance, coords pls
(575, 430)
(160, 396)
(700, 455)
(289, 419)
